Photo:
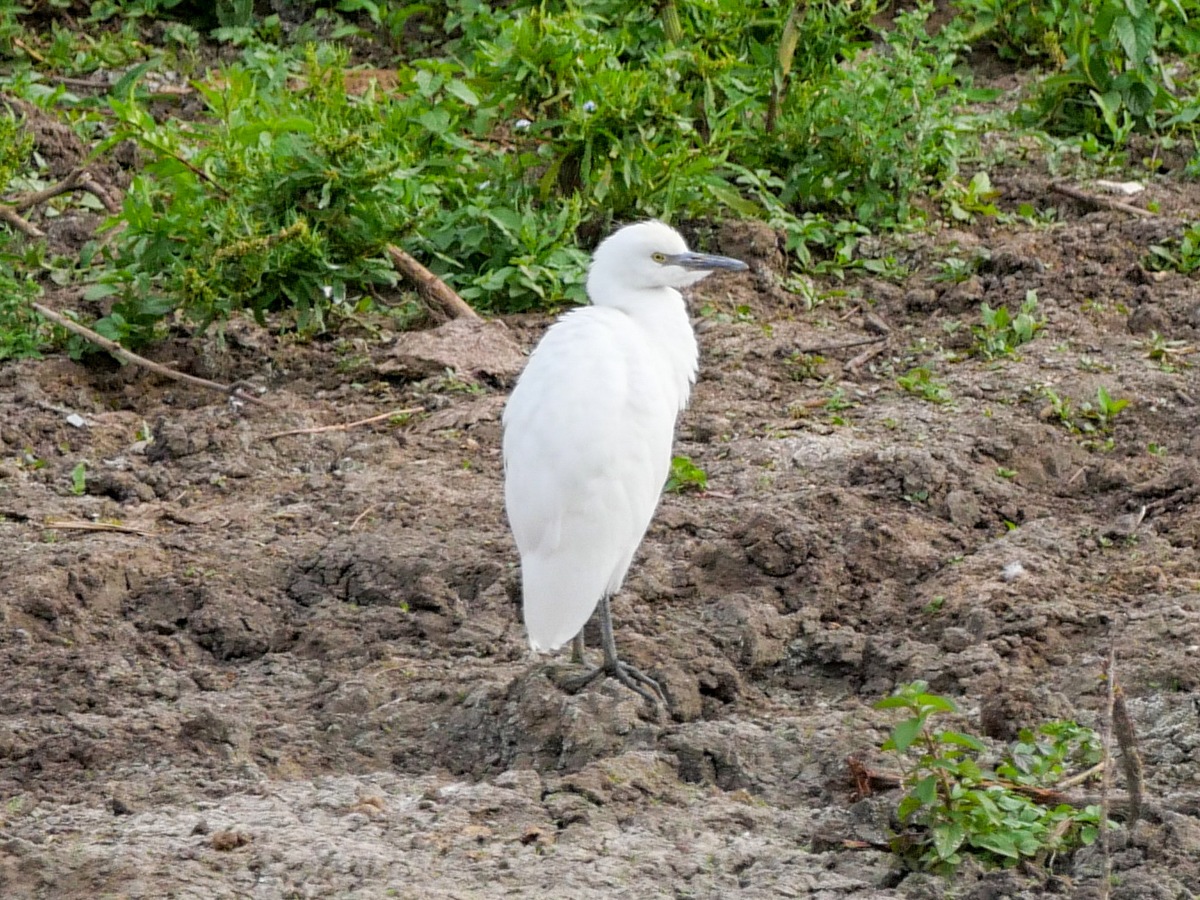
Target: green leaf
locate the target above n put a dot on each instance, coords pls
(906, 732)
(1127, 35)
(947, 838)
(464, 93)
(925, 790)
(961, 740)
(998, 843)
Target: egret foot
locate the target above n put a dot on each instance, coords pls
(628, 675)
(634, 679)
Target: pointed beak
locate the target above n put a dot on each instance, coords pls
(703, 262)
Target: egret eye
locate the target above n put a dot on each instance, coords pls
(659, 257)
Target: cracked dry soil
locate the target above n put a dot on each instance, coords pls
(302, 673)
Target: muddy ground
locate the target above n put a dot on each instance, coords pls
(300, 671)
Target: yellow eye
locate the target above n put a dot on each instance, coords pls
(659, 257)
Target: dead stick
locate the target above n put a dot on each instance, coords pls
(82, 525)
(125, 356)
(17, 42)
(344, 426)
(92, 186)
(9, 215)
(1101, 202)
(35, 198)
(1080, 777)
(362, 515)
(1131, 759)
(822, 348)
(867, 355)
(1106, 736)
(441, 293)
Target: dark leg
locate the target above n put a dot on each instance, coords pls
(633, 679)
(577, 649)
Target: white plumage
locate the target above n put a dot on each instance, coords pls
(589, 428)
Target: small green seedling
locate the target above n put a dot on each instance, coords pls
(920, 382)
(1179, 255)
(1000, 333)
(685, 476)
(79, 479)
(1101, 413)
(1168, 354)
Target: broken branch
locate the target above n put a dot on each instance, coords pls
(85, 525)
(10, 215)
(1100, 202)
(824, 348)
(344, 426)
(435, 289)
(233, 390)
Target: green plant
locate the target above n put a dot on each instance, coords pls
(953, 806)
(1181, 254)
(1100, 414)
(965, 203)
(956, 270)
(79, 479)
(685, 476)
(1000, 333)
(804, 366)
(1109, 55)
(21, 330)
(920, 381)
(1168, 354)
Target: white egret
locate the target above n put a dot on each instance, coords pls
(588, 433)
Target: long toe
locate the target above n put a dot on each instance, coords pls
(638, 682)
(577, 683)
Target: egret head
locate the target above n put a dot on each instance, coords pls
(648, 255)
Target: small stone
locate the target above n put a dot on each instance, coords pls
(229, 839)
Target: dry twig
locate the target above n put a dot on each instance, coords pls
(85, 525)
(1131, 759)
(1106, 782)
(10, 215)
(233, 390)
(435, 289)
(362, 515)
(344, 426)
(78, 180)
(1100, 202)
(825, 348)
(866, 356)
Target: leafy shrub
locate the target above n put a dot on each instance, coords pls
(953, 806)
(1108, 55)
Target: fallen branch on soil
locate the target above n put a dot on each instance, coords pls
(867, 781)
(1106, 783)
(362, 515)
(10, 215)
(78, 180)
(825, 348)
(1100, 202)
(866, 356)
(233, 390)
(1131, 759)
(85, 525)
(434, 288)
(344, 426)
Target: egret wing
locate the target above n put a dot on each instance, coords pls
(587, 446)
